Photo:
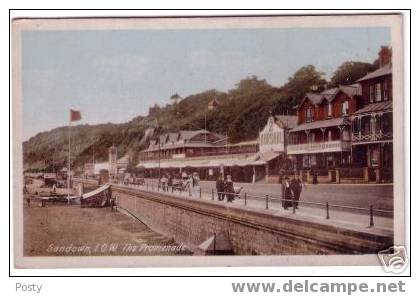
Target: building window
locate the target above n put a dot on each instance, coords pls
(386, 91)
(372, 93)
(345, 108)
(309, 114)
(313, 160)
(378, 96)
(329, 110)
(329, 136)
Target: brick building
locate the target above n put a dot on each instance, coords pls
(322, 136)
(372, 123)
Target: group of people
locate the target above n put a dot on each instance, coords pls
(166, 182)
(225, 188)
(189, 183)
(291, 190)
(291, 187)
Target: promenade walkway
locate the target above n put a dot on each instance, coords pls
(347, 217)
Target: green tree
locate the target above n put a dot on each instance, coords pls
(303, 80)
(350, 72)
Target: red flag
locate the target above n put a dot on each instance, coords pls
(75, 115)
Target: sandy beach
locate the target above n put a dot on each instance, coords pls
(69, 230)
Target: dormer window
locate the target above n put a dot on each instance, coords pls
(329, 110)
(345, 108)
(309, 114)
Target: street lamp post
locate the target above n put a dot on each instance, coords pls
(158, 133)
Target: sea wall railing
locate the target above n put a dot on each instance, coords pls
(266, 201)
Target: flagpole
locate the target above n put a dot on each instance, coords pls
(68, 165)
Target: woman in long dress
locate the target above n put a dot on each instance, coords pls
(287, 193)
(229, 189)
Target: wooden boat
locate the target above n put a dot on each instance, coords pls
(56, 198)
(96, 198)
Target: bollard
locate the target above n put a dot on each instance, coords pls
(371, 216)
(200, 191)
(245, 198)
(266, 201)
(327, 206)
(294, 207)
(212, 194)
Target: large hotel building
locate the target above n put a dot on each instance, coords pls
(342, 134)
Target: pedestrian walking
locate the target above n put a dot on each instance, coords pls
(163, 182)
(220, 187)
(296, 187)
(189, 185)
(195, 184)
(314, 176)
(229, 189)
(171, 182)
(287, 193)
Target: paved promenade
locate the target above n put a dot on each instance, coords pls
(356, 219)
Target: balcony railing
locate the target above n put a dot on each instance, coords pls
(319, 147)
(381, 136)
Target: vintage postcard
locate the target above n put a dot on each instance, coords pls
(217, 141)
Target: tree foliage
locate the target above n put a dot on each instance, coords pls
(240, 114)
(350, 72)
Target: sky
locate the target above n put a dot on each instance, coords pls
(115, 75)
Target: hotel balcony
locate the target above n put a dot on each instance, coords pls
(319, 147)
(365, 138)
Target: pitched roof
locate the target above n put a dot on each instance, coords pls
(185, 137)
(322, 123)
(243, 143)
(352, 89)
(375, 107)
(315, 98)
(385, 70)
(330, 93)
(290, 121)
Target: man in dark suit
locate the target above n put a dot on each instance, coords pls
(220, 187)
(296, 186)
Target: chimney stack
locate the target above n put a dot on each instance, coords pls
(385, 56)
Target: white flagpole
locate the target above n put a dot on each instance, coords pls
(68, 165)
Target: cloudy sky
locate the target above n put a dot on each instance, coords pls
(112, 76)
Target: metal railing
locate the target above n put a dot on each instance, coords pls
(267, 200)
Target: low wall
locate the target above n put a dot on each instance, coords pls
(192, 221)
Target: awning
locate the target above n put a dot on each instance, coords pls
(321, 124)
(375, 107)
(267, 155)
(209, 163)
